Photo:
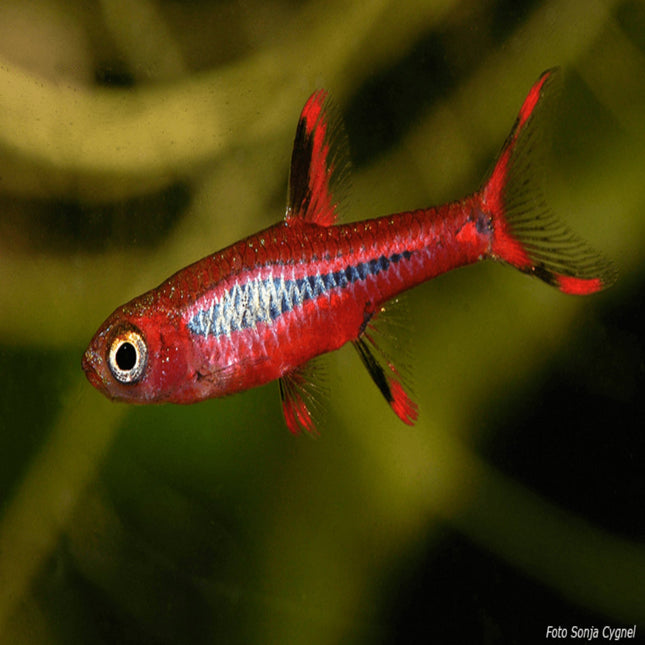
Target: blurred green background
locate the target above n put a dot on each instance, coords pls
(138, 137)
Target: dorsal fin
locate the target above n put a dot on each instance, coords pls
(319, 163)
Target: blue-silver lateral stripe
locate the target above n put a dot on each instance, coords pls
(264, 299)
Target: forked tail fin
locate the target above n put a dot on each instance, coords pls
(526, 233)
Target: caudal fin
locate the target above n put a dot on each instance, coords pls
(526, 233)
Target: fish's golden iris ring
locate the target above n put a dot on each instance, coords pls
(128, 356)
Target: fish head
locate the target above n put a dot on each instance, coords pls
(137, 355)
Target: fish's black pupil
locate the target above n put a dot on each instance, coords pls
(126, 356)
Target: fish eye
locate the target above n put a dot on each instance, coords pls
(128, 356)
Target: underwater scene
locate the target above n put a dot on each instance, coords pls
(474, 473)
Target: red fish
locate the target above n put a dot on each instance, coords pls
(263, 308)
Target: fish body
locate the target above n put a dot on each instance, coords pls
(263, 308)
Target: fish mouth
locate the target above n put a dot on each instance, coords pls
(88, 363)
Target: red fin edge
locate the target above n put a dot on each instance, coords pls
(579, 286)
(404, 407)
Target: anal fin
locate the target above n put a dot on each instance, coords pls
(385, 375)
